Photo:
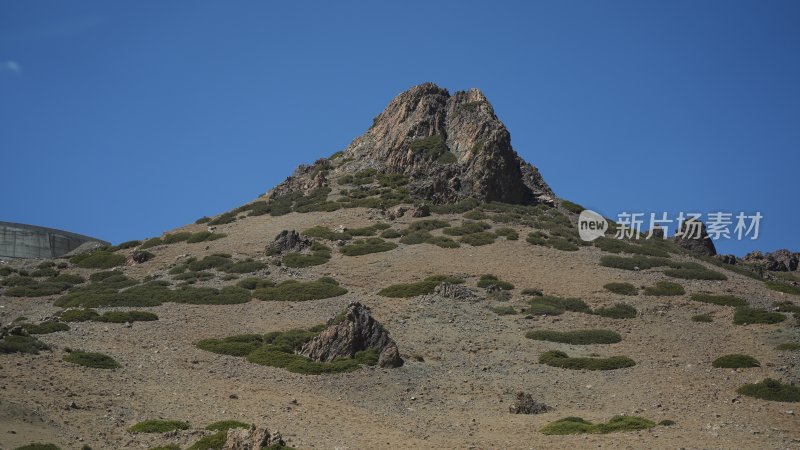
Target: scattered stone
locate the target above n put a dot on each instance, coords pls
(525, 404)
(352, 331)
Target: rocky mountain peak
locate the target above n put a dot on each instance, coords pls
(450, 146)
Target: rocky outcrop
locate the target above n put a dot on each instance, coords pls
(254, 438)
(525, 404)
(454, 291)
(287, 241)
(693, 236)
(779, 261)
(350, 332)
(451, 147)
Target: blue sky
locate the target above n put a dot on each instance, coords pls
(125, 119)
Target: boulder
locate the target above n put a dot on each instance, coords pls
(350, 332)
(525, 404)
(778, 261)
(287, 241)
(693, 236)
(254, 438)
(727, 259)
(454, 291)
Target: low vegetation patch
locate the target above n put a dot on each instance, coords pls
(423, 287)
(298, 291)
(488, 280)
(99, 259)
(255, 283)
(772, 390)
(158, 426)
(39, 447)
(617, 311)
(722, 300)
(782, 287)
(746, 316)
(703, 318)
(577, 337)
(509, 233)
(321, 232)
(51, 326)
(468, 227)
(622, 288)
(503, 310)
(22, 344)
(665, 288)
(549, 305)
(788, 346)
(91, 359)
(478, 239)
(560, 359)
(696, 273)
(612, 245)
(735, 361)
(204, 236)
(366, 246)
(433, 148)
(576, 425)
(153, 293)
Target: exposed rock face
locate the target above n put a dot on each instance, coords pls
(287, 241)
(454, 291)
(450, 146)
(693, 236)
(525, 404)
(253, 439)
(352, 331)
(780, 260)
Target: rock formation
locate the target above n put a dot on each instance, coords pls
(254, 438)
(780, 260)
(350, 332)
(287, 241)
(450, 146)
(525, 404)
(693, 236)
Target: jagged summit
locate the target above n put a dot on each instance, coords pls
(450, 147)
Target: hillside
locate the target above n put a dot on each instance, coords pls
(469, 261)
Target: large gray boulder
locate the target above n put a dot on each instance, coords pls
(350, 332)
(693, 236)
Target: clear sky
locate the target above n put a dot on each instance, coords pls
(125, 119)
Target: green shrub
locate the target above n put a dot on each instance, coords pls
(90, 359)
(781, 287)
(203, 236)
(560, 359)
(99, 259)
(622, 288)
(214, 441)
(18, 280)
(152, 242)
(788, 346)
(202, 220)
(255, 283)
(466, 228)
(210, 262)
(126, 245)
(564, 245)
(42, 289)
(703, 318)
(568, 425)
(578, 337)
(158, 426)
(786, 306)
(552, 305)
(722, 300)
(572, 207)
(634, 262)
(434, 148)
(225, 425)
(48, 327)
(508, 233)
(618, 311)
(665, 288)
(503, 310)
(22, 344)
(370, 245)
(297, 291)
(695, 274)
(478, 239)
(371, 230)
(532, 292)
(423, 287)
(475, 214)
(443, 242)
(746, 316)
(45, 272)
(667, 423)
(490, 280)
(241, 345)
(427, 225)
(772, 390)
(735, 361)
(246, 266)
(79, 315)
(299, 260)
(416, 237)
(176, 237)
(269, 356)
(390, 234)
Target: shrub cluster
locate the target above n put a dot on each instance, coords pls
(746, 316)
(665, 288)
(366, 246)
(735, 361)
(577, 337)
(91, 359)
(433, 148)
(22, 344)
(772, 390)
(576, 425)
(560, 359)
(98, 259)
(722, 300)
(489, 280)
(158, 426)
(622, 288)
(320, 254)
(298, 291)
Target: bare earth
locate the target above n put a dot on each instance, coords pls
(458, 397)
